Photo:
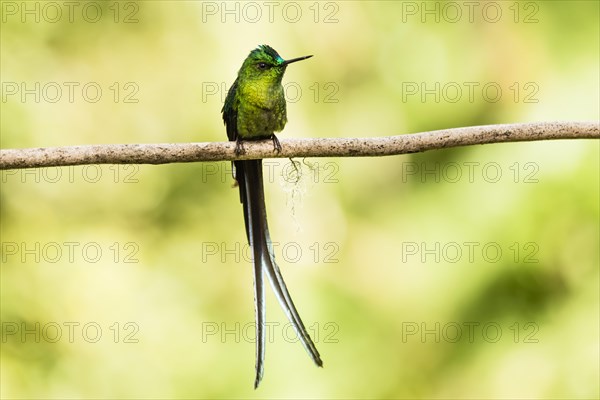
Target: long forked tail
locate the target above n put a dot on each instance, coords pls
(250, 179)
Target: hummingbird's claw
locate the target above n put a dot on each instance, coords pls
(276, 144)
(239, 147)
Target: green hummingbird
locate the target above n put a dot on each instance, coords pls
(254, 109)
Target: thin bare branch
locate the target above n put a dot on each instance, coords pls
(326, 147)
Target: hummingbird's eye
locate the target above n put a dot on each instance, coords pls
(262, 65)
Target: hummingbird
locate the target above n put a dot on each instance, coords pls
(255, 109)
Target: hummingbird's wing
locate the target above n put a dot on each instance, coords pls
(229, 111)
(250, 178)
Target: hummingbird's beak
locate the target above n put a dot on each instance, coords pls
(293, 60)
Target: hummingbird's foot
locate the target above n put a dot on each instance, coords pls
(239, 147)
(276, 144)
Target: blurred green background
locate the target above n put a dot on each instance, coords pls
(464, 273)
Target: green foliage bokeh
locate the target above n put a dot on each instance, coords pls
(372, 249)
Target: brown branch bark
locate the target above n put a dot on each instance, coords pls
(325, 147)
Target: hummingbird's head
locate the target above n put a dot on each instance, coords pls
(265, 66)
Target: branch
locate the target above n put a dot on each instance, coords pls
(326, 147)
